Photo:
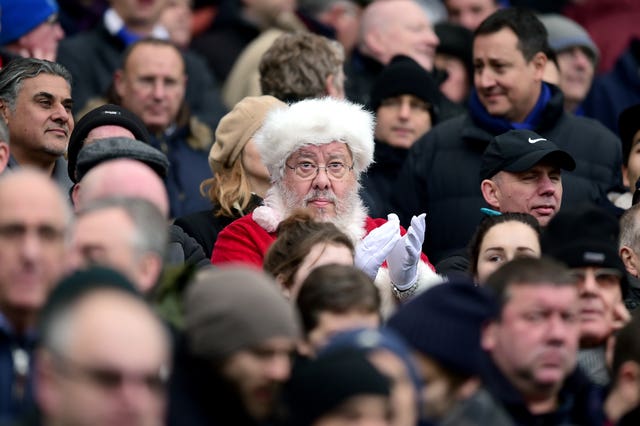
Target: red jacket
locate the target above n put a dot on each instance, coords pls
(244, 241)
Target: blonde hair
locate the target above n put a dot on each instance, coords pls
(229, 189)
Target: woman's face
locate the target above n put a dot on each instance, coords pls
(320, 254)
(252, 163)
(504, 242)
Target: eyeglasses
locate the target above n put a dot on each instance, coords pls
(306, 170)
(110, 379)
(601, 275)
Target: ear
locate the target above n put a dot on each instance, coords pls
(332, 89)
(149, 270)
(46, 391)
(118, 82)
(488, 336)
(75, 196)
(490, 193)
(539, 62)
(625, 178)
(628, 380)
(373, 41)
(4, 156)
(629, 259)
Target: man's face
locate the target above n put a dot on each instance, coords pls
(438, 393)
(537, 191)
(631, 172)
(258, 374)
(331, 323)
(106, 237)
(152, 85)
(42, 41)
(326, 196)
(600, 295)
(42, 122)
(508, 86)
(470, 13)
(402, 120)
(535, 342)
(33, 219)
(409, 32)
(113, 370)
(137, 13)
(576, 73)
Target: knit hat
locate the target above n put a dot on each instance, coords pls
(81, 282)
(237, 127)
(518, 151)
(230, 309)
(456, 41)
(565, 33)
(628, 126)
(315, 122)
(105, 115)
(320, 386)
(404, 76)
(444, 323)
(584, 235)
(102, 150)
(369, 340)
(19, 17)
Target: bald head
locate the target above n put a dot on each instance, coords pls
(108, 330)
(35, 220)
(394, 27)
(122, 178)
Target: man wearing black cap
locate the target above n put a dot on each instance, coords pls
(106, 121)
(404, 98)
(440, 175)
(520, 173)
(585, 238)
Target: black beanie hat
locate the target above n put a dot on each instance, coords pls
(584, 235)
(105, 115)
(444, 324)
(456, 41)
(404, 76)
(319, 386)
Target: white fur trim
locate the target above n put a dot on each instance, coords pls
(315, 122)
(389, 303)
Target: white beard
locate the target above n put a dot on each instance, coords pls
(279, 203)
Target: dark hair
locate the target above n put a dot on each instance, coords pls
(489, 222)
(627, 345)
(532, 34)
(337, 289)
(296, 237)
(528, 271)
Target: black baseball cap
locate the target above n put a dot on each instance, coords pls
(520, 150)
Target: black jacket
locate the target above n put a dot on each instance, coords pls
(378, 183)
(441, 173)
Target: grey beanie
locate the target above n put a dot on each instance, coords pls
(230, 309)
(565, 33)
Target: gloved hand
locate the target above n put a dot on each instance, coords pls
(404, 257)
(376, 246)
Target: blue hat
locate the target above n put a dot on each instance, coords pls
(445, 322)
(18, 17)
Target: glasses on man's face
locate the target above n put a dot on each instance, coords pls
(602, 276)
(111, 379)
(307, 170)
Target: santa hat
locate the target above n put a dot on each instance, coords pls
(315, 122)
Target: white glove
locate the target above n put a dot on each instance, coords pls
(403, 259)
(376, 246)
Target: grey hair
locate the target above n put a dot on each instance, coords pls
(4, 132)
(151, 230)
(316, 7)
(13, 74)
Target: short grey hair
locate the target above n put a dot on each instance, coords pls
(4, 132)
(13, 74)
(151, 229)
